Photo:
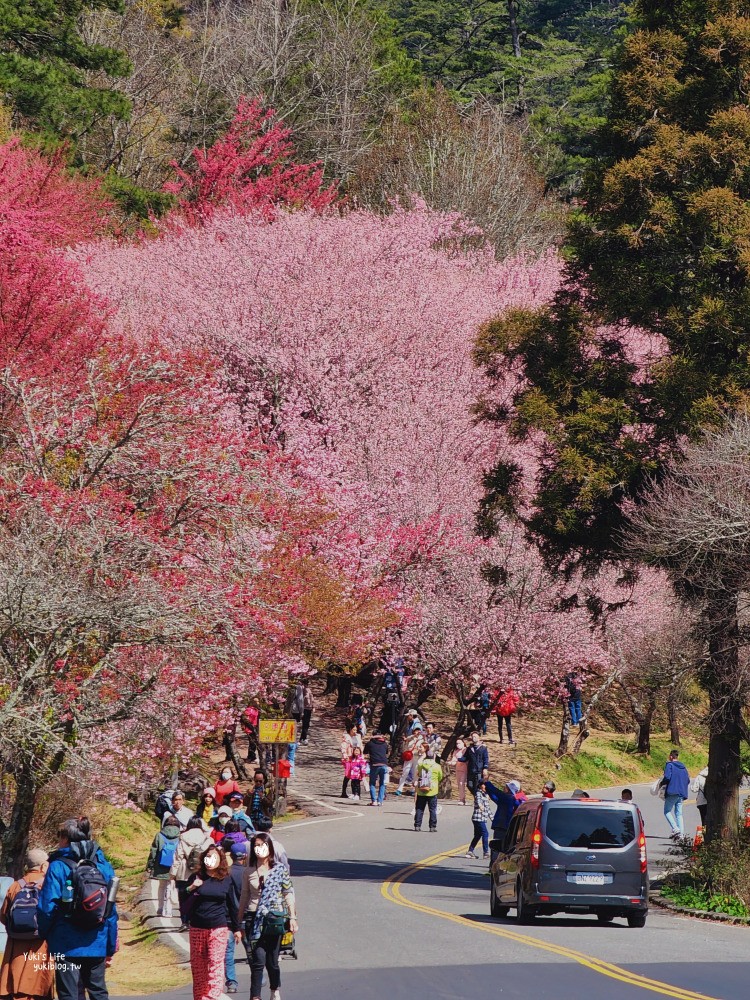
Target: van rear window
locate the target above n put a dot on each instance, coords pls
(589, 826)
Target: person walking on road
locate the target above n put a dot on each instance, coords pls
(698, 786)
(458, 760)
(477, 762)
(507, 801)
(207, 806)
(357, 771)
(429, 776)
(27, 970)
(308, 702)
(212, 911)
(187, 860)
(376, 749)
(505, 706)
(267, 893)
(160, 860)
(225, 785)
(676, 782)
(413, 739)
(179, 810)
(81, 938)
(480, 818)
(349, 741)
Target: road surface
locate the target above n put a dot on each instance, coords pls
(390, 914)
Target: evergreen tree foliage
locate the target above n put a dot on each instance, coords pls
(46, 66)
(545, 60)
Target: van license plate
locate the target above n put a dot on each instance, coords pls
(590, 878)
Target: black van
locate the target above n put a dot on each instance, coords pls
(572, 856)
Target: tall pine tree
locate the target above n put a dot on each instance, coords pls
(46, 66)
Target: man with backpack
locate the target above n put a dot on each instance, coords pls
(26, 969)
(160, 860)
(76, 914)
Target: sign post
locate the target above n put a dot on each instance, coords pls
(276, 732)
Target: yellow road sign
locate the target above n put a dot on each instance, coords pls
(277, 731)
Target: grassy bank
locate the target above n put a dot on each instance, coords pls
(142, 964)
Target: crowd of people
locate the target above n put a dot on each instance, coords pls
(228, 872)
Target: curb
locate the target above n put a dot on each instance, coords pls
(146, 902)
(657, 899)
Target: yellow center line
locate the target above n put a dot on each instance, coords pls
(391, 890)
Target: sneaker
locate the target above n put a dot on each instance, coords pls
(398, 792)
(417, 829)
(372, 803)
(470, 854)
(433, 829)
(486, 855)
(230, 988)
(355, 798)
(275, 994)
(183, 927)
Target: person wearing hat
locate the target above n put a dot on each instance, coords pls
(548, 790)
(207, 806)
(236, 804)
(413, 739)
(507, 800)
(220, 820)
(238, 855)
(26, 969)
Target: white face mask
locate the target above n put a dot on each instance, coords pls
(261, 850)
(212, 861)
(226, 775)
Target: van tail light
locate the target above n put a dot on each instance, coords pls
(642, 848)
(536, 839)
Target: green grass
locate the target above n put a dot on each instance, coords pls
(126, 837)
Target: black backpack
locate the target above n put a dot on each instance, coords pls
(22, 924)
(163, 804)
(88, 910)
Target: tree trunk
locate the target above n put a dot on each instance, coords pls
(672, 712)
(726, 724)
(562, 746)
(331, 686)
(515, 34)
(15, 839)
(344, 688)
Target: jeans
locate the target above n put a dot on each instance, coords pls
(378, 774)
(306, 716)
(230, 973)
(88, 971)
(480, 833)
(673, 812)
(263, 954)
(575, 709)
(431, 802)
(508, 726)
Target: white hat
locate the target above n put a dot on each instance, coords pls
(514, 786)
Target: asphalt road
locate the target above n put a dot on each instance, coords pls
(390, 914)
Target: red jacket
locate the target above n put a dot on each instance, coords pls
(225, 788)
(507, 703)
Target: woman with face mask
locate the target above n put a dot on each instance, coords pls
(225, 786)
(212, 913)
(266, 890)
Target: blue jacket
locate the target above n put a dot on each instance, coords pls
(477, 758)
(676, 778)
(506, 806)
(55, 926)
